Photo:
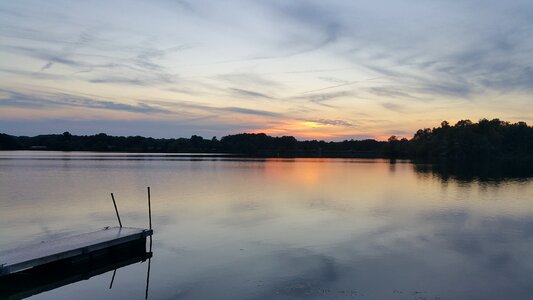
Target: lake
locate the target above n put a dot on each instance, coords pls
(235, 228)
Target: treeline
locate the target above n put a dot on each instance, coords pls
(467, 140)
(464, 140)
(258, 144)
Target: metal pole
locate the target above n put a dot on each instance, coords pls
(147, 279)
(112, 279)
(116, 210)
(149, 209)
(150, 219)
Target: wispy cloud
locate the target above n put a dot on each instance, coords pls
(393, 106)
(332, 79)
(339, 85)
(16, 99)
(252, 94)
(323, 99)
(47, 66)
(392, 92)
(218, 110)
(146, 58)
(248, 111)
(332, 122)
(248, 79)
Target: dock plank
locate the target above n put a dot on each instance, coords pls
(17, 259)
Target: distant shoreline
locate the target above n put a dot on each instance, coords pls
(494, 139)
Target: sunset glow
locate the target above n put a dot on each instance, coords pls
(315, 70)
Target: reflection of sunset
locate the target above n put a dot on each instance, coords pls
(306, 175)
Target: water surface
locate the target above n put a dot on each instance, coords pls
(233, 228)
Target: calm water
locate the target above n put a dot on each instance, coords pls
(229, 228)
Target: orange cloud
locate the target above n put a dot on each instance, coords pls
(308, 130)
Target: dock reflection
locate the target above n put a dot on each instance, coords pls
(48, 277)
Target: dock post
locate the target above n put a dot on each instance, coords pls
(147, 279)
(116, 210)
(113, 279)
(149, 259)
(150, 216)
(149, 210)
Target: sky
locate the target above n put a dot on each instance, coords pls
(329, 70)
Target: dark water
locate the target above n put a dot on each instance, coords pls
(229, 228)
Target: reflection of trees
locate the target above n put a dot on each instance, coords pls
(496, 170)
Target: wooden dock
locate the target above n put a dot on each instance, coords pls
(18, 259)
(51, 276)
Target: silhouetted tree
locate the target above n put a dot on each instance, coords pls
(468, 140)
